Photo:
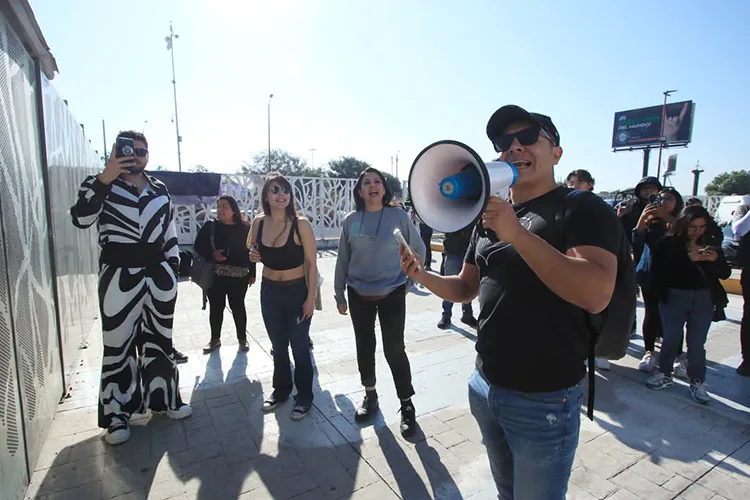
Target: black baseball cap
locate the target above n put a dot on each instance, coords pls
(510, 114)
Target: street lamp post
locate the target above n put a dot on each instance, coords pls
(269, 131)
(662, 139)
(170, 47)
(312, 157)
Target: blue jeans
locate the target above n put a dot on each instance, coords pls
(696, 309)
(451, 267)
(281, 306)
(531, 438)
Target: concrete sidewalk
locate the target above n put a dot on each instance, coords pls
(643, 444)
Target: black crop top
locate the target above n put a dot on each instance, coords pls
(282, 258)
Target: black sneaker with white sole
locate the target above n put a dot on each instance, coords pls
(408, 419)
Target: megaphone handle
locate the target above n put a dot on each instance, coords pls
(486, 233)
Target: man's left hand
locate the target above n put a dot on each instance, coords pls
(501, 218)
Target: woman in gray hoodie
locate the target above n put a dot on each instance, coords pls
(368, 269)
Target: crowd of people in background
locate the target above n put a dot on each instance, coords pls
(521, 274)
(677, 248)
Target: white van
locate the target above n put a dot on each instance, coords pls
(727, 206)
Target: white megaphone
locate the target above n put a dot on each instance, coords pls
(449, 185)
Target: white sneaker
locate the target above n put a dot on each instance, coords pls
(117, 433)
(680, 367)
(602, 363)
(647, 362)
(699, 392)
(183, 411)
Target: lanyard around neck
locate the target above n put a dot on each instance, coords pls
(362, 223)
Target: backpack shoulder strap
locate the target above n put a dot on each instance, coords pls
(571, 200)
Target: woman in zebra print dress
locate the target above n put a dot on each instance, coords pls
(137, 289)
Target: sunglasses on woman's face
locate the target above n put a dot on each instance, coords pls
(278, 189)
(526, 137)
(140, 152)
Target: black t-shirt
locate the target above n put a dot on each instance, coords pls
(530, 339)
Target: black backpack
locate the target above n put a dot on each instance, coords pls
(611, 330)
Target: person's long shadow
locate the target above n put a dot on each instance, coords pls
(659, 425)
(223, 453)
(409, 482)
(318, 455)
(94, 469)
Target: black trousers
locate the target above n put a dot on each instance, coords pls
(235, 290)
(745, 326)
(652, 326)
(425, 232)
(391, 311)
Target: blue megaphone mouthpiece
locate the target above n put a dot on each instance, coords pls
(465, 184)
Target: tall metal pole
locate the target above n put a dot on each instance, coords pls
(270, 96)
(170, 47)
(646, 155)
(662, 139)
(312, 157)
(104, 136)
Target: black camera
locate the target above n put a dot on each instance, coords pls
(124, 146)
(655, 199)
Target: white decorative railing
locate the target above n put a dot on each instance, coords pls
(324, 201)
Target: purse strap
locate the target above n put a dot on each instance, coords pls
(213, 235)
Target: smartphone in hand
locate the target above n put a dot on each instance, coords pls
(402, 241)
(125, 147)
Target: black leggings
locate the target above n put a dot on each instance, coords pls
(235, 290)
(392, 313)
(651, 319)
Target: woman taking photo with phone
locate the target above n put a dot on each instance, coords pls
(684, 270)
(655, 221)
(285, 243)
(368, 268)
(223, 241)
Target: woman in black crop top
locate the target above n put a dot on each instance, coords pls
(684, 270)
(285, 243)
(234, 271)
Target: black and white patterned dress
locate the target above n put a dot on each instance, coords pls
(137, 294)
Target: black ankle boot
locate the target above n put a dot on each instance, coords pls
(368, 407)
(408, 419)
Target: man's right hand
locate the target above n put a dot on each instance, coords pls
(116, 167)
(411, 265)
(342, 308)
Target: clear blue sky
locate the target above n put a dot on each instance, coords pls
(370, 79)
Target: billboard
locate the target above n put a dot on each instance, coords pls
(640, 128)
(671, 164)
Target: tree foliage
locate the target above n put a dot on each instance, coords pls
(347, 167)
(729, 183)
(282, 161)
(198, 168)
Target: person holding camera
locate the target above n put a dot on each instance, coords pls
(684, 270)
(630, 213)
(536, 285)
(137, 287)
(653, 224)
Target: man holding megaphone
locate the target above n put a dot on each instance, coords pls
(536, 284)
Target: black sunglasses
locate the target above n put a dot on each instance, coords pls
(277, 189)
(140, 152)
(526, 137)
